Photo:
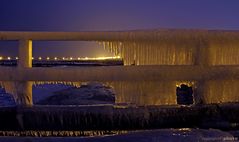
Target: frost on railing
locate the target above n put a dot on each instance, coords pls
(150, 53)
(157, 53)
(144, 92)
(175, 47)
(216, 91)
(162, 47)
(215, 48)
(155, 92)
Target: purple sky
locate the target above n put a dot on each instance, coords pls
(91, 15)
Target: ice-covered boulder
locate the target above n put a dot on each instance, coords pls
(86, 94)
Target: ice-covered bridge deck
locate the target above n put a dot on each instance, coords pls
(206, 57)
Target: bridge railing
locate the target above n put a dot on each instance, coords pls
(22, 75)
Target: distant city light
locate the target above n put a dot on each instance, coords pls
(101, 58)
(66, 58)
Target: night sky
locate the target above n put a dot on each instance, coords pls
(101, 15)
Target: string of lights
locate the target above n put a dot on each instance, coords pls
(62, 58)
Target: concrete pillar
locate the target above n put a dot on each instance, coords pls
(24, 88)
(25, 54)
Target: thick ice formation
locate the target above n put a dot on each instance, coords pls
(205, 48)
(160, 47)
(144, 92)
(150, 53)
(176, 47)
(19, 89)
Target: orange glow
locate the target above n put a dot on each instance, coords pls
(101, 58)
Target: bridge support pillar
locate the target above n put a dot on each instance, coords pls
(24, 88)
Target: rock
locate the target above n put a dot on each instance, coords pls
(86, 94)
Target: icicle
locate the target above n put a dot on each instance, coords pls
(145, 92)
(221, 91)
(223, 54)
(175, 48)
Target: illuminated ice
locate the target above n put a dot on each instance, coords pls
(203, 48)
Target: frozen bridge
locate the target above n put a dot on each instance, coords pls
(155, 62)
